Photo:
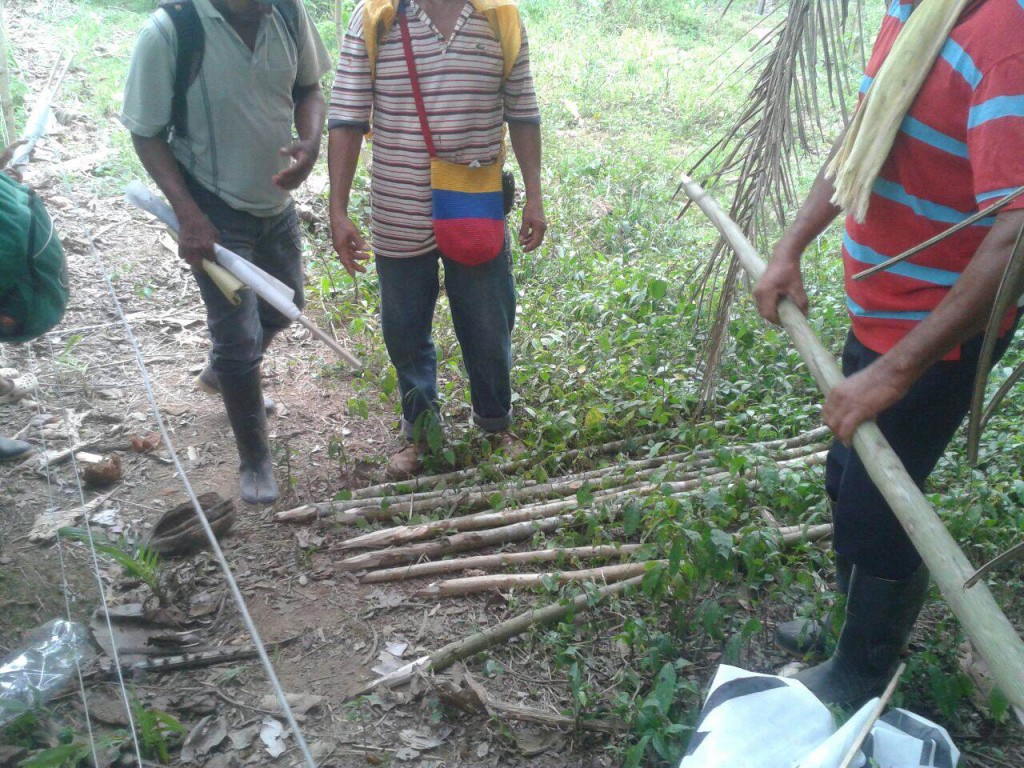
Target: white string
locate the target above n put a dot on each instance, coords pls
(96, 571)
(236, 593)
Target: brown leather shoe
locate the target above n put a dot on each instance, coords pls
(405, 463)
(508, 445)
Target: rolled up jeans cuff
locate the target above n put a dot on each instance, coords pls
(493, 424)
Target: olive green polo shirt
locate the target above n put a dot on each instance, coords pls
(240, 107)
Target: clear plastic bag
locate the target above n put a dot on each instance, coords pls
(42, 668)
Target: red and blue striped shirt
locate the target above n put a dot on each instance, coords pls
(959, 149)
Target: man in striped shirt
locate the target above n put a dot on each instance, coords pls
(467, 99)
(914, 344)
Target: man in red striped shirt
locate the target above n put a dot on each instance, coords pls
(914, 343)
(467, 99)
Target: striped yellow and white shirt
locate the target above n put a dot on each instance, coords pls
(466, 104)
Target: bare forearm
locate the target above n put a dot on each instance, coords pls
(814, 216)
(965, 310)
(342, 158)
(310, 114)
(155, 154)
(526, 144)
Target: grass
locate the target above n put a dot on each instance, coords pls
(607, 346)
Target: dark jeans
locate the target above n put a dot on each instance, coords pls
(918, 427)
(483, 303)
(273, 244)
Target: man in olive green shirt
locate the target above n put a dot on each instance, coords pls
(227, 172)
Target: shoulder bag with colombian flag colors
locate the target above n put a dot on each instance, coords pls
(469, 214)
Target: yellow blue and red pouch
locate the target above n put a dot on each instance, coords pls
(469, 211)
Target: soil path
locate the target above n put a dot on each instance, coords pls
(91, 393)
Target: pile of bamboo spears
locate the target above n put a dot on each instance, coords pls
(463, 518)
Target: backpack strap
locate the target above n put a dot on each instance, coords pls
(188, 28)
(290, 16)
(502, 15)
(378, 18)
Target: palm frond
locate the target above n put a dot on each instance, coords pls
(779, 118)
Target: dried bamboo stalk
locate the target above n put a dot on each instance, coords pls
(483, 562)
(876, 713)
(609, 573)
(444, 657)
(385, 507)
(1005, 298)
(460, 542)
(1014, 553)
(476, 700)
(406, 533)
(470, 585)
(984, 622)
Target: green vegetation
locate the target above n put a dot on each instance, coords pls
(607, 346)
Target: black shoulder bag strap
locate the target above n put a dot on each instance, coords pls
(188, 29)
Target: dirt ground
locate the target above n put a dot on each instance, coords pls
(91, 394)
(132, 340)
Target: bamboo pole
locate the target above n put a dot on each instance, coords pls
(506, 468)
(6, 106)
(444, 657)
(482, 520)
(385, 506)
(876, 712)
(483, 562)
(470, 585)
(984, 622)
(460, 542)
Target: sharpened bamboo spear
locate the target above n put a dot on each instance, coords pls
(483, 562)
(984, 622)
(444, 657)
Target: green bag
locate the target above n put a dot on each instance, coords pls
(33, 273)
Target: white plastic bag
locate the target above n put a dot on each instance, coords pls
(764, 721)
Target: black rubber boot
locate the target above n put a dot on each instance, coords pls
(880, 615)
(13, 449)
(808, 636)
(243, 400)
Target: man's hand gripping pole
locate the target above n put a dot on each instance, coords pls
(267, 287)
(982, 619)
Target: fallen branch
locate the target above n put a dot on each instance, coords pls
(474, 699)
(504, 581)
(483, 562)
(444, 657)
(990, 631)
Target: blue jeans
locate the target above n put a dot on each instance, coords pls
(274, 245)
(918, 427)
(483, 303)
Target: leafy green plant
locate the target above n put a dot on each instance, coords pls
(157, 730)
(138, 561)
